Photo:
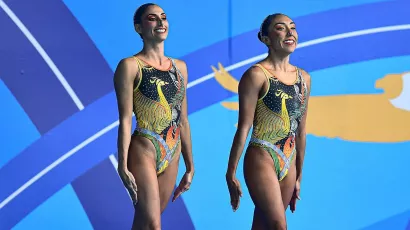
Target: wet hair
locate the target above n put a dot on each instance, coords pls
(263, 30)
(140, 11)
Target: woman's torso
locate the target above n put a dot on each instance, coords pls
(157, 99)
(279, 111)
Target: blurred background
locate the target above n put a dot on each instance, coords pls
(58, 116)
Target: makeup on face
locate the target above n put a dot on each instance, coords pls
(154, 17)
(159, 18)
(290, 38)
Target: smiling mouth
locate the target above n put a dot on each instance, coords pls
(160, 30)
(289, 41)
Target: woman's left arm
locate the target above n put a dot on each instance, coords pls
(301, 133)
(186, 143)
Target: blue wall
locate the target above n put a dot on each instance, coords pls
(59, 117)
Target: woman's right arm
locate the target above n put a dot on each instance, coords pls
(249, 88)
(124, 78)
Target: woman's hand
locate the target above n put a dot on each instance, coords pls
(295, 197)
(234, 190)
(184, 185)
(129, 182)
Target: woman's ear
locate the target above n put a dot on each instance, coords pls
(137, 28)
(266, 40)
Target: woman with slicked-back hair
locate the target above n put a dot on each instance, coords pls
(273, 98)
(153, 87)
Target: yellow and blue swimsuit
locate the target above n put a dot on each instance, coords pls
(157, 102)
(277, 116)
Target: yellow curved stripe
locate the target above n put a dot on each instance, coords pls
(230, 105)
(225, 79)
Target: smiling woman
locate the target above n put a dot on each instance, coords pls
(153, 87)
(273, 97)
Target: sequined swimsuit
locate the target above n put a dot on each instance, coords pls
(277, 117)
(157, 101)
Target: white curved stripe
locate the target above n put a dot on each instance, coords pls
(113, 160)
(43, 54)
(49, 62)
(305, 44)
(57, 162)
(191, 84)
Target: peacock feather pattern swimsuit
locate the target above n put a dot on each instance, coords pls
(277, 116)
(157, 101)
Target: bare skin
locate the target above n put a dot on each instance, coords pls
(137, 156)
(271, 197)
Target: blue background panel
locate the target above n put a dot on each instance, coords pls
(13, 120)
(62, 211)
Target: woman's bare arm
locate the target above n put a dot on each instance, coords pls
(124, 78)
(301, 133)
(249, 89)
(186, 143)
